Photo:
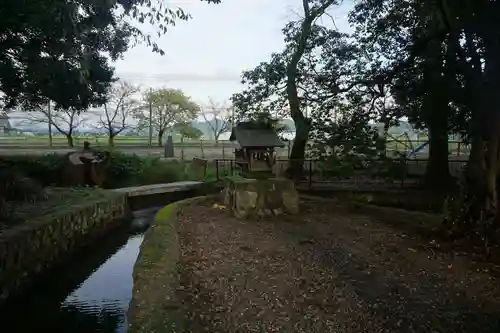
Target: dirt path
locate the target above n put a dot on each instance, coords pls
(326, 270)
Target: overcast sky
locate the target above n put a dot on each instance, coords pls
(206, 55)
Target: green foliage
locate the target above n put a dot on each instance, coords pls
(349, 136)
(47, 169)
(15, 187)
(262, 120)
(196, 172)
(123, 169)
(169, 107)
(130, 170)
(60, 50)
(33, 201)
(25, 189)
(18, 187)
(351, 146)
(186, 130)
(322, 74)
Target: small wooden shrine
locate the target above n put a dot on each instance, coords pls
(256, 155)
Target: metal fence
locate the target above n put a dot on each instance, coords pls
(393, 173)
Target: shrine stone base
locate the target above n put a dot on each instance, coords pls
(261, 197)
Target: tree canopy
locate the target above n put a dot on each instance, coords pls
(165, 108)
(60, 50)
(437, 63)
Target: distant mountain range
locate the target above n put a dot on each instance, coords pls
(203, 126)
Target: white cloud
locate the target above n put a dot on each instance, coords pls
(206, 55)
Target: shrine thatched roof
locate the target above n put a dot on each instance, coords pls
(251, 135)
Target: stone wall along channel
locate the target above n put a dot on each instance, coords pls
(39, 244)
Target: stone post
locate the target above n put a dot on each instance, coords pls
(169, 147)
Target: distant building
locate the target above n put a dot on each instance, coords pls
(5, 126)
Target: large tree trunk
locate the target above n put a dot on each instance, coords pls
(435, 108)
(298, 151)
(437, 173)
(479, 205)
(491, 174)
(160, 138)
(492, 87)
(111, 139)
(69, 139)
(302, 124)
(489, 123)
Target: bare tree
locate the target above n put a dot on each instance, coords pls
(218, 117)
(118, 110)
(64, 121)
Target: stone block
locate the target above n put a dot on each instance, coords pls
(261, 197)
(169, 147)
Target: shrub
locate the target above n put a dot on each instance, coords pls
(131, 170)
(14, 186)
(123, 169)
(46, 169)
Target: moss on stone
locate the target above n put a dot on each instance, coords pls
(155, 306)
(165, 213)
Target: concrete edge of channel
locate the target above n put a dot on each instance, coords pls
(154, 306)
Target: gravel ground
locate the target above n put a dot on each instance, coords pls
(325, 270)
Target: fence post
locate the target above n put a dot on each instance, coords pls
(458, 148)
(201, 146)
(288, 149)
(217, 169)
(182, 148)
(223, 151)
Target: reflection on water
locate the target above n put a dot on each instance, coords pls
(91, 294)
(107, 292)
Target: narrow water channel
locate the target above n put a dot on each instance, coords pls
(89, 294)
